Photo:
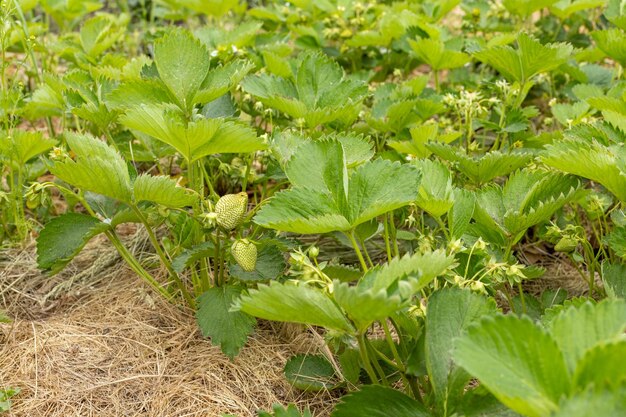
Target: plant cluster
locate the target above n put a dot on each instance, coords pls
(374, 171)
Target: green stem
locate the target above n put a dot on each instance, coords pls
(163, 256)
(355, 245)
(443, 228)
(244, 183)
(365, 251)
(136, 266)
(386, 237)
(217, 270)
(32, 57)
(507, 294)
(377, 367)
(394, 236)
(398, 359)
(521, 296)
(366, 361)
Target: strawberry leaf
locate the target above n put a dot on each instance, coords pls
(63, 238)
(98, 168)
(294, 304)
(517, 361)
(183, 63)
(161, 190)
(379, 401)
(196, 139)
(226, 328)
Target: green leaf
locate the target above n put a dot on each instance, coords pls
(435, 192)
(4, 318)
(570, 113)
(183, 63)
(364, 306)
(385, 290)
(21, 146)
(418, 270)
(290, 411)
(294, 304)
(101, 32)
(315, 75)
(461, 213)
(134, 93)
(616, 241)
(98, 168)
(480, 403)
(525, 8)
(229, 329)
(616, 14)
(517, 362)
(614, 277)
(302, 210)
(450, 312)
(63, 238)
(5, 398)
(221, 79)
(529, 59)
(420, 136)
(434, 53)
(579, 328)
(310, 373)
(592, 403)
(379, 187)
(161, 190)
(485, 168)
(563, 9)
(599, 367)
(379, 401)
(189, 256)
(320, 166)
(588, 159)
(324, 199)
(612, 42)
(196, 139)
(319, 92)
(527, 199)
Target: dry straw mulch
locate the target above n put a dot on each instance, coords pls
(94, 341)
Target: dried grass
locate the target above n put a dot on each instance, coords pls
(103, 345)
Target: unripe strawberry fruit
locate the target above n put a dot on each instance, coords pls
(231, 209)
(245, 254)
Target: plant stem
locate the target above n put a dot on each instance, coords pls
(367, 255)
(394, 235)
(386, 237)
(377, 366)
(397, 358)
(355, 245)
(163, 256)
(31, 55)
(366, 361)
(521, 296)
(135, 265)
(443, 227)
(217, 270)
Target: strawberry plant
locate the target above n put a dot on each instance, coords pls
(389, 175)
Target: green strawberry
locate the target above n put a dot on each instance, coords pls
(245, 254)
(231, 209)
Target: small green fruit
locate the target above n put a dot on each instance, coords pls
(231, 209)
(245, 254)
